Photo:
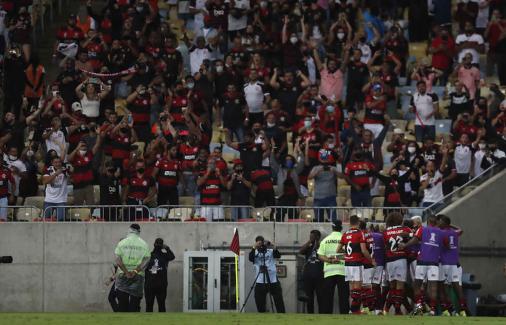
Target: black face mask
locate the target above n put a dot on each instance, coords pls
(158, 248)
(111, 170)
(394, 176)
(140, 170)
(124, 130)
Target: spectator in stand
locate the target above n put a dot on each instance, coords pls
(255, 95)
(375, 110)
(239, 188)
(357, 174)
(122, 136)
(469, 75)
(494, 34)
(137, 189)
(110, 191)
(211, 182)
(167, 172)
(463, 156)
(234, 111)
(35, 75)
(442, 49)
(470, 42)
(432, 181)
(7, 188)
(81, 160)
(332, 77)
(425, 106)
(56, 179)
(459, 101)
(90, 97)
(424, 72)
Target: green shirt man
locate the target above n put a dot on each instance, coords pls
(133, 252)
(327, 253)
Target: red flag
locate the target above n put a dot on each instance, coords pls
(234, 244)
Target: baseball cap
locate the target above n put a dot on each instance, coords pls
(76, 106)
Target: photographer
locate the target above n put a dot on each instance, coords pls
(262, 255)
(156, 276)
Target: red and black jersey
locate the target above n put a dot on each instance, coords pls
(376, 114)
(83, 170)
(95, 54)
(167, 172)
(138, 187)
(176, 108)
(189, 156)
(107, 140)
(262, 179)
(359, 172)
(5, 178)
(210, 191)
(314, 137)
(120, 146)
(392, 237)
(140, 109)
(69, 34)
(369, 243)
(351, 241)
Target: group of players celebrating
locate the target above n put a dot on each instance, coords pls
(381, 260)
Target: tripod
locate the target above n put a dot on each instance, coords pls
(265, 273)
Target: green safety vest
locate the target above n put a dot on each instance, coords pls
(328, 247)
(132, 250)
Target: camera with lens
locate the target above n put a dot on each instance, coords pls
(263, 248)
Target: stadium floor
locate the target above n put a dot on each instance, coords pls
(231, 318)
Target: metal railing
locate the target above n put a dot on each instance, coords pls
(463, 190)
(114, 213)
(19, 213)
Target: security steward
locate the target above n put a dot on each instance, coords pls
(262, 255)
(156, 276)
(312, 274)
(333, 272)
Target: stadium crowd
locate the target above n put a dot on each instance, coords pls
(253, 103)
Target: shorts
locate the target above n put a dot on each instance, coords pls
(412, 271)
(353, 273)
(378, 275)
(367, 275)
(451, 274)
(427, 272)
(397, 270)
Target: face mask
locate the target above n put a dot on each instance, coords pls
(263, 4)
(331, 145)
(142, 91)
(29, 153)
(293, 40)
(330, 109)
(411, 149)
(82, 152)
(190, 85)
(340, 35)
(140, 170)
(124, 130)
(394, 176)
(12, 158)
(482, 145)
(271, 124)
(111, 170)
(289, 164)
(139, 8)
(55, 93)
(256, 130)
(307, 124)
(219, 68)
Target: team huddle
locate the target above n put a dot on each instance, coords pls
(379, 263)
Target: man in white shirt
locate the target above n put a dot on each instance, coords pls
(478, 157)
(255, 95)
(425, 107)
(16, 166)
(198, 54)
(463, 157)
(432, 182)
(55, 137)
(238, 15)
(56, 181)
(470, 42)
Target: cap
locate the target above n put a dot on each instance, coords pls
(76, 106)
(136, 227)
(398, 131)
(377, 87)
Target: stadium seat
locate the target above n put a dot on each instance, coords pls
(247, 220)
(377, 201)
(344, 191)
(36, 201)
(186, 200)
(399, 124)
(341, 201)
(381, 190)
(443, 127)
(262, 214)
(79, 214)
(140, 145)
(96, 194)
(305, 216)
(28, 214)
(179, 214)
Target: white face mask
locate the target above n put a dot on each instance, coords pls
(82, 152)
(482, 145)
(331, 145)
(12, 158)
(340, 35)
(271, 124)
(219, 68)
(263, 4)
(29, 153)
(411, 149)
(293, 40)
(307, 124)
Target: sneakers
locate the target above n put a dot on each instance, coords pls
(462, 313)
(378, 312)
(432, 312)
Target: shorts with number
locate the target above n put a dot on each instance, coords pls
(412, 270)
(397, 270)
(427, 272)
(451, 274)
(367, 274)
(353, 273)
(378, 275)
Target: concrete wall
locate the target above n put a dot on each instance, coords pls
(62, 266)
(482, 215)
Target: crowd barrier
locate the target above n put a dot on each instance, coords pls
(199, 213)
